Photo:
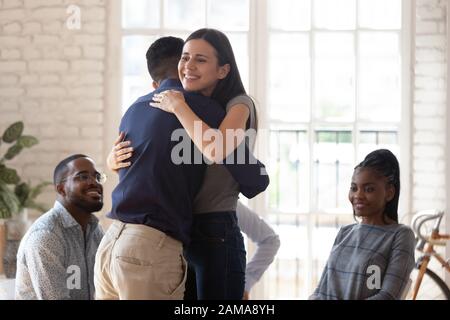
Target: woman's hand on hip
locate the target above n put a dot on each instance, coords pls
(120, 152)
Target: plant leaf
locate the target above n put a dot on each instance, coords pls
(27, 141)
(8, 201)
(9, 176)
(22, 192)
(13, 151)
(13, 132)
(4, 211)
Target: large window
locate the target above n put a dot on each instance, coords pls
(328, 78)
(334, 93)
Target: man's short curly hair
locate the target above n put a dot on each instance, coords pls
(62, 167)
(163, 56)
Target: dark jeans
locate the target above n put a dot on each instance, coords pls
(216, 258)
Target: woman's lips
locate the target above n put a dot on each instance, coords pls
(359, 206)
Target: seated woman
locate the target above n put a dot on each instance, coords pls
(371, 259)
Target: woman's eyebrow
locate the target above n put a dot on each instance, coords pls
(196, 55)
(364, 184)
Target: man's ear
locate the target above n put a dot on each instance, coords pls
(60, 188)
(224, 70)
(390, 192)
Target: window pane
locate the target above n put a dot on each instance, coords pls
(287, 274)
(335, 14)
(289, 167)
(136, 79)
(140, 13)
(371, 140)
(387, 138)
(289, 77)
(380, 14)
(334, 77)
(333, 167)
(368, 137)
(179, 34)
(323, 235)
(290, 15)
(379, 76)
(184, 14)
(230, 15)
(239, 43)
(379, 44)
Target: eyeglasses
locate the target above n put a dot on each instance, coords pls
(84, 177)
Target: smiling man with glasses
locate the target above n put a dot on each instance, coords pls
(56, 256)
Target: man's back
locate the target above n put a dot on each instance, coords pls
(154, 190)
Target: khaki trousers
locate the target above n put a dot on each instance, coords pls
(140, 263)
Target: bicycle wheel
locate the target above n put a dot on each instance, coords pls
(431, 288)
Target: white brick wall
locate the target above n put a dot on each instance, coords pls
(429, 162)
(429, 110)
(53, 79)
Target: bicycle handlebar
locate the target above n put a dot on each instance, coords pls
(427, 216)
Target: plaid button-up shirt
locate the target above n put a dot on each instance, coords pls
(55, 260)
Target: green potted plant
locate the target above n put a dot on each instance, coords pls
(16, 196)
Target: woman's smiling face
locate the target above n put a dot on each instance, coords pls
(199, 68)
(369, 193)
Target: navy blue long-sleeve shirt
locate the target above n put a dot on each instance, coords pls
(155, 191)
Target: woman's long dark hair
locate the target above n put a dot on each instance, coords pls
(386, 164)
(231, 86)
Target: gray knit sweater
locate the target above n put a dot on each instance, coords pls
(368, 262)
